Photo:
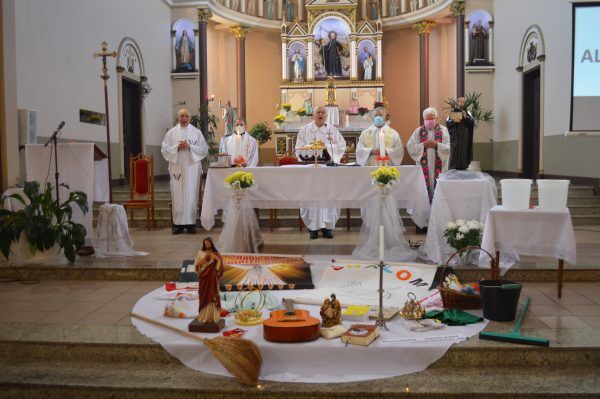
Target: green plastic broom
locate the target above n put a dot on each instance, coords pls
(514, 336)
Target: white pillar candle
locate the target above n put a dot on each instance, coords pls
(381, 242)
(381, 143)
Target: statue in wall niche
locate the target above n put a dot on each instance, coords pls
(531, 52)
(251, 7)
(368, 67)
(354, 105)
(393, 8)
(184, 49)
(308, 106)
(270, 9)
(332, 52)
(228, 118)
(374, 10)
(298, 63)
(479, 36)
(289, 10)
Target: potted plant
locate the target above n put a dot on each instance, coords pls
(362, 111)
(261, 132)
(286, 107)
(462, 233)
(279, 119)
(43, 223)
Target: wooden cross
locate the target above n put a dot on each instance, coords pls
(104, 53)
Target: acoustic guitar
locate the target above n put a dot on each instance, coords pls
(291, 325)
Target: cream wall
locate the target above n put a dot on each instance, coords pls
(56, 74)
(10, 139)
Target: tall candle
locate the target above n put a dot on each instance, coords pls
(237, 149)
(381, 143)
(381, 240)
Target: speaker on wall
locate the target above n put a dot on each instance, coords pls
(27, 127)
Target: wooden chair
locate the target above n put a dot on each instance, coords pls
(286, 159)
(141, 187)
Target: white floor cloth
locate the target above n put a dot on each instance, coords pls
(532, 232)
(458, 195)
(111, 237)
(396, 352)
(240, 229)
(395, 244)
(322, 187)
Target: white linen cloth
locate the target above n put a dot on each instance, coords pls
(532, 232)
(247, 148)
(111, 237)
(394, 243)
(76, 167)
(415, 150)
(240, 233)
(321, 218)
(369, 139)
(314, 362)
(340, 187)
(101, 188)
(464, 195)
(185, 171)
(333, 115)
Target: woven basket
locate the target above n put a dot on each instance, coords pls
(453, 299)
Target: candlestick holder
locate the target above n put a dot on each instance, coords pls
(380, 322)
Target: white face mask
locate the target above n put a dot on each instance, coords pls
(239, 129)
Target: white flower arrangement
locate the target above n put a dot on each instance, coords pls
(461, 233)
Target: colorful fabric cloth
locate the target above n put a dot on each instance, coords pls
(424, 164)
(453, 317)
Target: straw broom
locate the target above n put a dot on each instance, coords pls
(241, 357)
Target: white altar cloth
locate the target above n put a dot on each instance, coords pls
(532, 232)
(333, 115)
(316, 187)
(111, 237)
(319, 361)
(77, 169)
(465, 198)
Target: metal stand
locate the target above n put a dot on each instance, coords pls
(54, 140)
(380, 321)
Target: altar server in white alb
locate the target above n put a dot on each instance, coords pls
(184, 147)
(379, 140)
(242, 147)
(317, 130)
(429, 146)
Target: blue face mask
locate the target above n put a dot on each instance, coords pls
(379, 121)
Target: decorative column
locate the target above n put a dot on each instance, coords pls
(204, 14)
(310, 66)
(173, 55)
(261, 9)
(363, 9)
(284, 62)
(300, 5)
(197, 44)
(424, 29)
(491, 42)
(379, 65)
(242, 6)
(384, 12)
(240, 32)
(279, 9)
(403, 6)
(458, 10)
(353, 60)
(467, 60)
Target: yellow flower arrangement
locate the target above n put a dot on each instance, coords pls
(239, 179)
(286, 106)
(385, 175)
(301, 111)
(279, 118)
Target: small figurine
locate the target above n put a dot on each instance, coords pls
(209, 266)
(331, 312)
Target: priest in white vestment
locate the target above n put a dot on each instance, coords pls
(377, 138)
(429, 146)
(184, 147)
(242, 147)
(326, 218)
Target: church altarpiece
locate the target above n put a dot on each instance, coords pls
(332, 49)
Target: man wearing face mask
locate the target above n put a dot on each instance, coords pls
(320, 219)
(429, 146)
(242, 147)
(369, 143)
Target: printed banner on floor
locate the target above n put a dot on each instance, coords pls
(358, 283)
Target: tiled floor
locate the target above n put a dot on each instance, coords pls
(109, 303)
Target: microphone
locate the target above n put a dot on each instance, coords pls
(53, 137)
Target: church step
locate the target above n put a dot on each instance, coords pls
(111, 361)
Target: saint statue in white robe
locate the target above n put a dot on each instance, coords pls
(370, 139)
(433, 161)
(242, 145)
(316, 219)
(368, 67)
(185, 171)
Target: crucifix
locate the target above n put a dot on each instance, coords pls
(105, 53)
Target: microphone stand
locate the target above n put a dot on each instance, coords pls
(54, 141)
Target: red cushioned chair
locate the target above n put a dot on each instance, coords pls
(286, 159)
(141, 187)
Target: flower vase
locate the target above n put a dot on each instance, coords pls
(238, 196)
(464, 258)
